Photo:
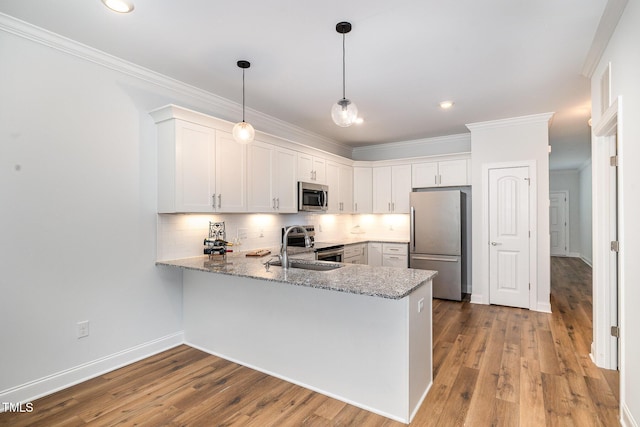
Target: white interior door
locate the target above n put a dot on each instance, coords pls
(509, 236)
(558, 221)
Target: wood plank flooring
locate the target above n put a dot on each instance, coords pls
(493, 366)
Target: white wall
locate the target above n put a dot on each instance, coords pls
(450, 144)
(569, 180)
(586, 232)
(511, 140)
(78, 191)
(623, 54)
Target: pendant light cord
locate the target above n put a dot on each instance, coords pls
(243, 95)
(343, 70)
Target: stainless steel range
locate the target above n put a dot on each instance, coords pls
(324, 251)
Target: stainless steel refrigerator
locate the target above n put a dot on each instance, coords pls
(438, 239)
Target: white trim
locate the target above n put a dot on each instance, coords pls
(514, 121)
(220, 106)
(450, 144)
(608, 23)
(605, 346)
(626, 417)
(55, 382)
(534, 304)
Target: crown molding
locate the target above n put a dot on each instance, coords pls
(440, 145)
(608, 22)
(220, 105)
(515, 121)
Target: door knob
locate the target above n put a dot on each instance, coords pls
(495, 243)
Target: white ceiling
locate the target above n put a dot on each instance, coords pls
(494, 58)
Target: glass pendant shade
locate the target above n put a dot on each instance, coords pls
(344, 113)
(243, 132)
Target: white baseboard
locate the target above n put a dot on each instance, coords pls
(477, 299)
(626, 419)
(61, 380)
(544, 307)
(573, 255)
(586, 261)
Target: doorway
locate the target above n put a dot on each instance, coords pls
(559, 222)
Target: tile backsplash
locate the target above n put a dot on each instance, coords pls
(181, 235)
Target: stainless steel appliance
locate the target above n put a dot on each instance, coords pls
(438, 239)
(330, 252)
(312, 197)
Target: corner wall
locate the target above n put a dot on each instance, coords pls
(511, 140)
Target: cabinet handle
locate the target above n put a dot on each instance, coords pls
(389, 206)
(435, 179)
(393, 249)
(219, 201)
(213, 200)
(278, 202)
(393, 207)
(440, 179)
(273, 205)
(355, 205)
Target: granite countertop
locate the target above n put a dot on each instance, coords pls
(383, 282)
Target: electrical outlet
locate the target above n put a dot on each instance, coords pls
(420, 305)
(83, 329)
(242, 233)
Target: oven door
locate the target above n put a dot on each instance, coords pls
(335, 255)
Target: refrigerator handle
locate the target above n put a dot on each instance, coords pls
(413, 228)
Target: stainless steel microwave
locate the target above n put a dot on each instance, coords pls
(312, 197)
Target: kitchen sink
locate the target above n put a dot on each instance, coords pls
(310, 265)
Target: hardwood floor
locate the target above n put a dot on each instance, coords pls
(493, 366)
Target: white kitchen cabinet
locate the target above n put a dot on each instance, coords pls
(193, 177)
(340, 182)
(231, 173)
(395, 255)
(374, 254)
(271, 179)
(355, 254)
(362, 190)
(392, 187)
(312, 169)
(439, 174)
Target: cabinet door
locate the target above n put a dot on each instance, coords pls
(319, 170)
(374, 254)
(453, 172)
(424, 175)
(333, 181)
(195, 179)
(231, 174)
(399, 261)
(305, 167)
(382, 184)
(285, 185)
(260, 161)
(362, 190)
(346, 189)
(401, 188)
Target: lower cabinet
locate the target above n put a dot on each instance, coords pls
(374, 254)
(395, 255)
(355, 254)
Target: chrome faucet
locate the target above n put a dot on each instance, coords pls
(284, 256)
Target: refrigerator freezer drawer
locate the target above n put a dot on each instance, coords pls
(448, 283)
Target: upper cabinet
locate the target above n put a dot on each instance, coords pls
(312, 169)
(200, 169)
(271, 179)
(440, 174)
(362, 190)
(340, 182)
(392, 187)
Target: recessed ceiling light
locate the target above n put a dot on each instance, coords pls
(120, 6)
(445, 105)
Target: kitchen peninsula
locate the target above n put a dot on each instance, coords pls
(356, 333)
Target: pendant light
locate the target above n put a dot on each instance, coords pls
(344, 112)
(243, 132)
